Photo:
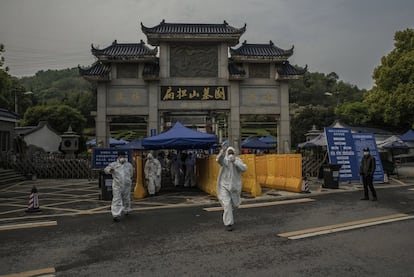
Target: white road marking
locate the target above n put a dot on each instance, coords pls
(300, 234)
(37, 272)
(27, 225)
(264, 204)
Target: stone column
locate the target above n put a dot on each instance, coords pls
(223, 61)
(283, 126)
(234, 123)
(153, 98)
(102, 126)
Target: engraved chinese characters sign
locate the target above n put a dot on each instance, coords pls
(176, 93)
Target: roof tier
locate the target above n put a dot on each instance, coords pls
(125, 52)
(96, 72)
(101, 71)
(192, 32)
(260, 53)
(287, 71)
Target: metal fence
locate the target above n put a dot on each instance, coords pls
(55, 166)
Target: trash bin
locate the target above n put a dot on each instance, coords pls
(105, 183)
(331, 176)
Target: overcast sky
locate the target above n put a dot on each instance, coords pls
(348, 37)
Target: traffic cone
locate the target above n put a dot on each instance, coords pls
(33, 202)
(305, 185)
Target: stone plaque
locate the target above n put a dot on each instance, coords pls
(259, 97)
(127, 97)
(193, 61)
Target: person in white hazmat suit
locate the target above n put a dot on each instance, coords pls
(190, 171)
(122, 172)
(229, 184)
(152, 171)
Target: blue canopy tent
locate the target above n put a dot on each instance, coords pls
(180, 137)
(255, 143)
(393, 142)
(268, 140)
(135, 144)
(408, 136)
(112, 142)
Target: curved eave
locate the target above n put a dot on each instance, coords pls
(259, 59)
(156, 39)
(97, 78)
(96, 72)
(124, 51)
(126, 58)
(289, 72)
(190, 32)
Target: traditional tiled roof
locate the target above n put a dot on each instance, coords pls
(26, 130)
(254, 52)
(7, 115)
(190, 31)
(97, 72)
(286, 71)
(125, 51)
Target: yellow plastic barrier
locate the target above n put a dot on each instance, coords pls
(214, 170)
(271, 170)
(279, 181)
(139, 190)
(294, 172)
(261, 169)
(282, 172)
(249, 181)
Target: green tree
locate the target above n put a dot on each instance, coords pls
(391, 100)
(59, 117)
(353, 113)
(308, 116)
(54, 87)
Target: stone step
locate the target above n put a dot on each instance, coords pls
(10, 177)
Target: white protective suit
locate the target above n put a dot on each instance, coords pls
(190, 171)
(229, 185)
(121, 186)
(152, 172)
(176, 170)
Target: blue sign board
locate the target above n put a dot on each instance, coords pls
(103, 156)
(363, 140)
(341, 151)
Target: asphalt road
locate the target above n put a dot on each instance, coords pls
(188, 239)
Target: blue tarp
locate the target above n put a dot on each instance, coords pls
(180, 137)
(255, 143)
(408, 136)
(134, 145)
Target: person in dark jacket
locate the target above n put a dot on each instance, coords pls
(366, 171)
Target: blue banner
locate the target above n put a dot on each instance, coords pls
(341, 151)
(363, 140)
(103, 156)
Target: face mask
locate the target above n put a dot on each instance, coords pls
(231, 157)
(122, 160)
(366, 153)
